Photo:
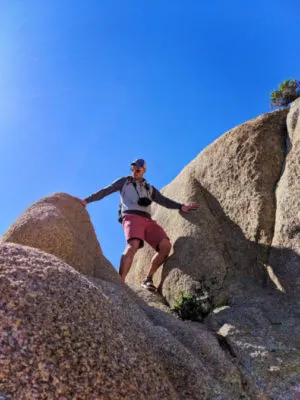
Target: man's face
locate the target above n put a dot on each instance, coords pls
(137, 172)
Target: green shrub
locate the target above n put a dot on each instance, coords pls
(289, 91)
(189, 306)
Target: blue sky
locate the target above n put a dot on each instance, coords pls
(87, 86)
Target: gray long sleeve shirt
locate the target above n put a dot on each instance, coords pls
(130, 196)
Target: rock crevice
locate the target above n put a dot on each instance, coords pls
(285, 253)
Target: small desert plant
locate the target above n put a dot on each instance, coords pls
(289, 91)
(189, 306)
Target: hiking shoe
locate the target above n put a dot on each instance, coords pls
(148, 284)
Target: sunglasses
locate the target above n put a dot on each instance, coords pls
(135, 168)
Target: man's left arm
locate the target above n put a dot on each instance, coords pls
(168, 203)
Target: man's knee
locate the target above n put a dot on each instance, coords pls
(132, 246)
(164, 247)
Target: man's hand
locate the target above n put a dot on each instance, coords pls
(82, 202)
(190, 206)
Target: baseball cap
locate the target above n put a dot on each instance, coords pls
(139, 162)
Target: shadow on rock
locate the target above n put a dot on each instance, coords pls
(246, 265)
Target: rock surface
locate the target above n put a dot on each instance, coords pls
(68, 312)
(228, 248)
(189, 353)
(61, 337)
(59, 225)
(263, 336)
(285, 254)
(224, 245)
(84, 334)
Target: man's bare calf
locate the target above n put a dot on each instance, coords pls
(127, 257)
(160, 257)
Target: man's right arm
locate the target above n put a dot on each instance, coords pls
(114, 187)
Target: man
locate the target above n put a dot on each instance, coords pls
(135, 215)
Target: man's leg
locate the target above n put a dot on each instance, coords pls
(160, 257)
(127, 257)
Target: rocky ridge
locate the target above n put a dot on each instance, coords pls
(71, 329)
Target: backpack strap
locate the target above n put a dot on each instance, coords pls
(129, 180)
(148, 188)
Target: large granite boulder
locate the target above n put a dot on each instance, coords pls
(223, 246)
(228, 249)
(62, 338)
(285, 253)
(58, 224)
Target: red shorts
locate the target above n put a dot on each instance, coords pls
(138, 227)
